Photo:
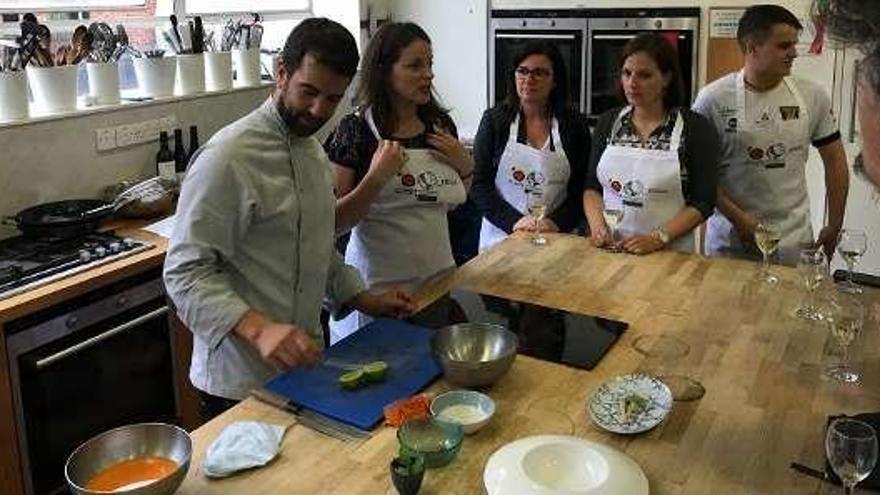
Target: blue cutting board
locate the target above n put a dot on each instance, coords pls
(405, 347)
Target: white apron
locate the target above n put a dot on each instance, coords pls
(404, 239)
(766, 176)
(524, 168)
(645, 184)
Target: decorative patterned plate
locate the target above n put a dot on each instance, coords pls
(607, 404)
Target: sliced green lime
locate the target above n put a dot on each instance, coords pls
(351, 380)
(375, 371)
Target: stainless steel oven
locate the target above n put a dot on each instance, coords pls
(510, 29)
(611, 29)
(99, 361)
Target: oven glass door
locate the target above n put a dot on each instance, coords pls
(569, 42)
(73, 389)
(606, 47)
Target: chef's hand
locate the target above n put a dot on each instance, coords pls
(641, 244)
(282, 345)
(387, 160)
(601, 236)
(448, 149)
(527, 224)
(828, 237)
(392, 303)
(745, 228)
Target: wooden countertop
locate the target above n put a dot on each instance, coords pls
(66, 288)
(765, 403)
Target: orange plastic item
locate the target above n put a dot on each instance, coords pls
(417, 406)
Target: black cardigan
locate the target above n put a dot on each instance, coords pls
(489, 145)
(699, 155)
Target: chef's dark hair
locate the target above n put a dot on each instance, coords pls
(665, 56)
(758, 20)
(559, 98)
(855, 22)
(374, 90)
(327, 41)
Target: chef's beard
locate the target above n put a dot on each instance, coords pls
(301, 124)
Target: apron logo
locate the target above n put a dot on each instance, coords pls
(633, 193)
(616, 186)
(790, 113)
(428, 181)
(776, 151)
(731, 125)
(407, 180)
(530, 180)
(755, 153)
(765, 117)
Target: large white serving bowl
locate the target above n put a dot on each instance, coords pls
(562, 465)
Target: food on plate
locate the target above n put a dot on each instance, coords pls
(632, 405)
(462, 413)
(417, 406)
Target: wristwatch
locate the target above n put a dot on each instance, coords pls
(661, 235)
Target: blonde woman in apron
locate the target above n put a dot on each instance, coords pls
(531, 143)
(399, 170)
(654, 162)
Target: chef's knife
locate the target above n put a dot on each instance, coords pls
(815, 473)
(311, 419)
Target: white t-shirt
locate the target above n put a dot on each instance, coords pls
(717, 102)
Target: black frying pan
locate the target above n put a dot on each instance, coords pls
(62, 219)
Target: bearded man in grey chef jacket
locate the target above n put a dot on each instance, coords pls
(767, 120)
(252, 254)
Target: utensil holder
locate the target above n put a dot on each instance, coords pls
(190, 74)
(54, 88)
(13, 96)
(156, 76)
(247, 67)
(104, 82)
(218, 71)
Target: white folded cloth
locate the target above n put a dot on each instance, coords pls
(242, 445)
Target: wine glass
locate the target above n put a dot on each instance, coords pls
(613, 217)
(813, 270)
(851, 447)
(537, 209)
(767, 237)
(845, 317)
(851, 245)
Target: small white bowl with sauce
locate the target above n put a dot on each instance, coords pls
(471, 409)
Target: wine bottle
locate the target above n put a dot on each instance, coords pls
(193, 142)
(165, 166)
(180, 155)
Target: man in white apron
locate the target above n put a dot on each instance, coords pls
(766, 121)
(525, 170)
(645, 184)
(404, 239)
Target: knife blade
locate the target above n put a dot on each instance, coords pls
(815, 473)
(311, 419)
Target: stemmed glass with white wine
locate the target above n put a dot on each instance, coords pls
(767, 237)
(845, 317)
(537, 210)
(613, 217)
(851, 447)
(851, 245)
(813, 269)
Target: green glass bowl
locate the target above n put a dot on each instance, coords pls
(436, 441)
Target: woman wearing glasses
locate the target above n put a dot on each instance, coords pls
(653, 160)
(399, 169)
(531, 144)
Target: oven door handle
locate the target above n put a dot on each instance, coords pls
(74, 349)
(536, 36)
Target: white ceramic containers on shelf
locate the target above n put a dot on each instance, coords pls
(54, 88)
(218, 71)
(13, 96)
(156, 76)
(190, 74)
(103, 82)
(247, 67)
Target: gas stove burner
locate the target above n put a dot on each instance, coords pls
(28, 262)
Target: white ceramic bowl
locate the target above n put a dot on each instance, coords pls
(472, 410)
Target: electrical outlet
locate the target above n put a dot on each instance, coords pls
(105, 139)
(125, 135)
(167, 123)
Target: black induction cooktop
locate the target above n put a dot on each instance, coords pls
(549, 334)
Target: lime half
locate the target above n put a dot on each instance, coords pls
(351, 380)
(375, 371)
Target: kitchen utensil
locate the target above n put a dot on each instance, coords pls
(155, 75)
(815, 473)
(311, 419)
(190, 73)
(127, 443)
(471, 409)
(608, 406)
(54, 88)
(13, 95)
(404, 347)
(474, 354)
(436, 441)
(175, 33)
(247, 66)
(198, 35)
(546, 464)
